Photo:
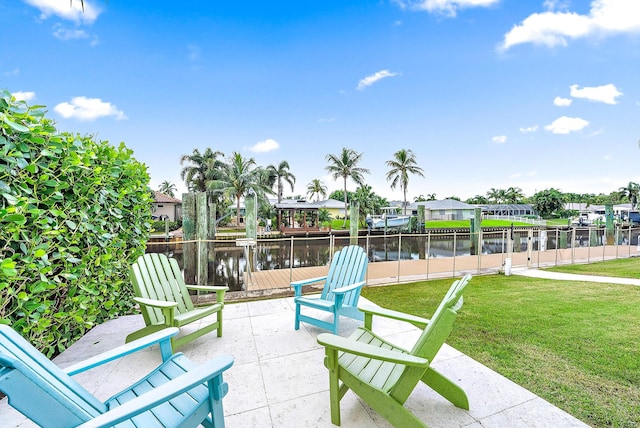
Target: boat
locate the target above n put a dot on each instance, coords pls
(392, 221)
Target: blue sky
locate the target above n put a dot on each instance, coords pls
(487, 93)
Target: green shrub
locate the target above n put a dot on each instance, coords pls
(74, 214)
(158, 226)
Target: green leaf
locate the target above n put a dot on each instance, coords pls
(39, 253)
(14, 218)
(10, 198)
(12, 124)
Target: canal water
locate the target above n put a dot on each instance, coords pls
(227, 262)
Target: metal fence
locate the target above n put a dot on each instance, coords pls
(272, 263)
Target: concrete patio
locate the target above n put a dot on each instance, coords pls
(279, 380)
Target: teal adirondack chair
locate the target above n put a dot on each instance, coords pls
(384, 375)
(176, 394)
(341, 291)
(165, 301)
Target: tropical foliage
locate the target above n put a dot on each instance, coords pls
(403, 163)
(167, 188)
(345, 165)
(547, 202)
(74, 214)
(316, 188)
(278, 174)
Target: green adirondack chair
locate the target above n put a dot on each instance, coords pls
(165, 301)
(384, 375)
(176, 394)
(342, 286)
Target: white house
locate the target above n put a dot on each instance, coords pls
(166, 207)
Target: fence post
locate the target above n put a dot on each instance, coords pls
(291, 261)
(428, 252)
(399, 251)
(557, 244)
(454, 253)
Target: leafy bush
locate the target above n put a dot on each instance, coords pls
(158, 226)
(74, 214)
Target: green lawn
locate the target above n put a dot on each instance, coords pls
(623, 268)
(574, 344)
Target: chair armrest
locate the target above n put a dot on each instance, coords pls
(165, 392)
(349, 346)
(159, 337)
(160, 304)
(308, 281)
(219, 290)
(297, 285)
(370, 310)
(348, 288)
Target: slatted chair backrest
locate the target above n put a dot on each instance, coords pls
(38, 388)
(349, 265)
(433, 337)
(155, 276)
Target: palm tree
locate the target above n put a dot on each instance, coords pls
(200, 168)
(317, 188)
(631, 192)
(168, 188)
(239, 175)
(513, 195)
(280, 173)
(403, 164)
(345, 165)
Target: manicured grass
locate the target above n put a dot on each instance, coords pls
(557, 222)
(447, 224)
(574, 344)
(623, 268)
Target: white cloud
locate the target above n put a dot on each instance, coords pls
(554, 28)
(327, 119)
(370, 80)
(24, 96)
(499, 139)
(606, 93)
(565, 125)
(67, 34)
(267, 145)
(529, 129)
(14, 72)
(445, 7)
(71, 12)
(562, 102)
(83, 108)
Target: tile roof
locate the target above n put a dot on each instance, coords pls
(161, 198)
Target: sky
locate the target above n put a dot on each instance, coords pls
(486, 93)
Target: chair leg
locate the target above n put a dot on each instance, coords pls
(297, 316)
(219, 323)
(336, 321)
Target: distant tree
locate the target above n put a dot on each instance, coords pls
(345, 165)
(200, 168)
(631, 192)
(477, 200)
(279, 174)
(403, 163)
(167, 188)
(548, 202)
(455, 198)
(240, 175)
(367, 200)
(497, 196)
(513, 195)
(317, 188)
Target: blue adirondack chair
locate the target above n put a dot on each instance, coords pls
(176, 394)
(341, 291)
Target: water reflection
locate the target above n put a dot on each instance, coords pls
(227, 262)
